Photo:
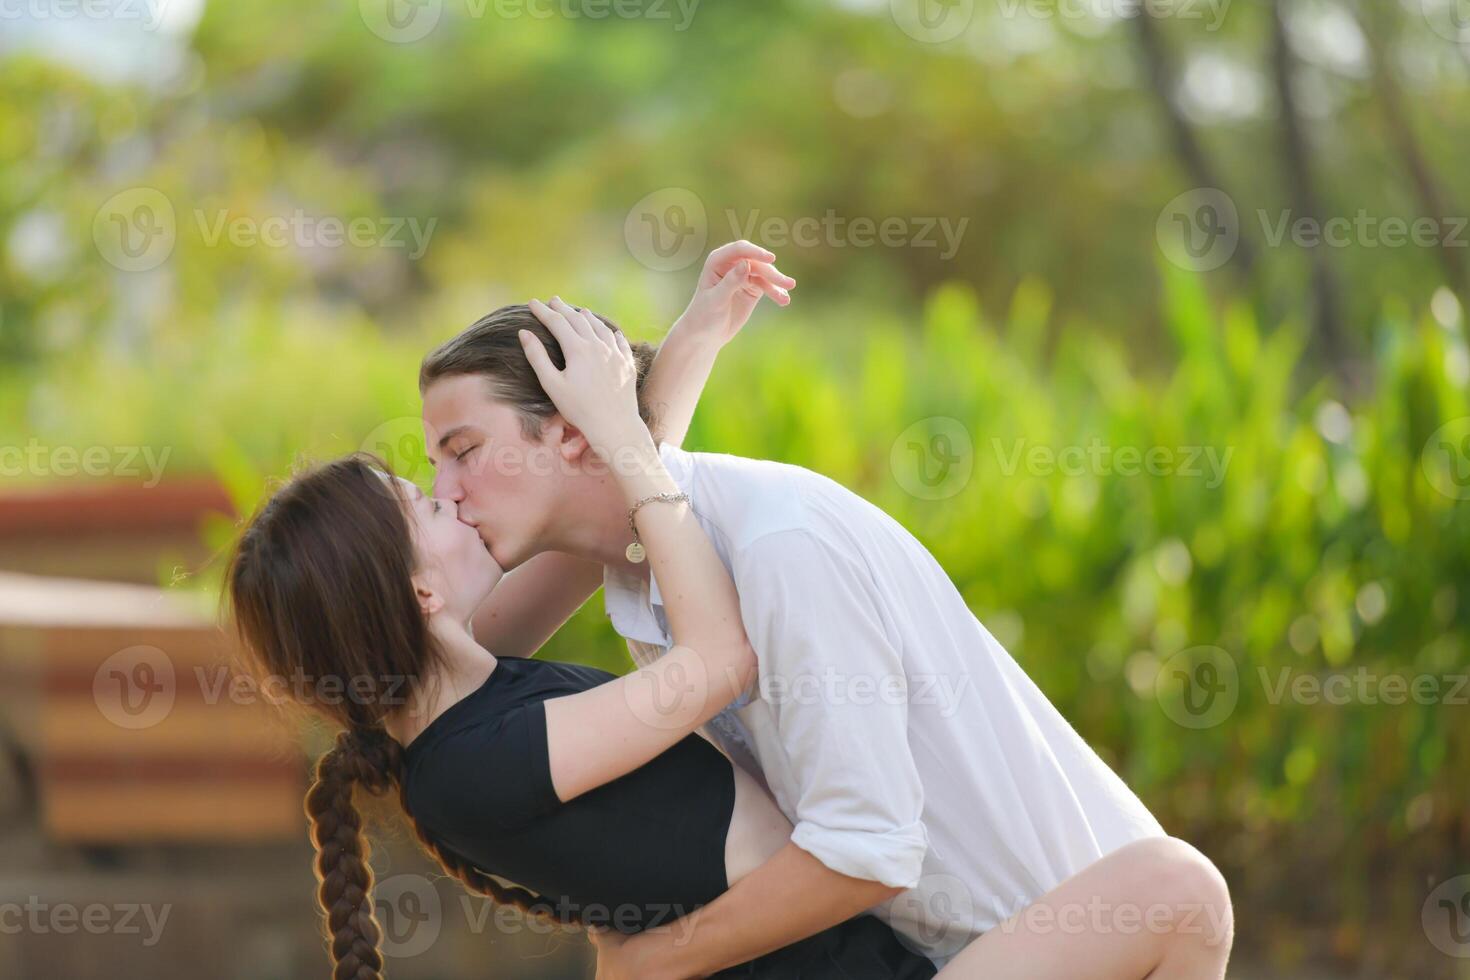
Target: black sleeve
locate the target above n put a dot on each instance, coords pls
(496, 772)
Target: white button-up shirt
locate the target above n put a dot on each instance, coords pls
(899, 737)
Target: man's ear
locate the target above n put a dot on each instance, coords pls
(568, 439)
(430, 601)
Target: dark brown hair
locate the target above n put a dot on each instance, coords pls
(491, 348)
(320, 590)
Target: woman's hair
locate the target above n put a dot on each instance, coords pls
(320, 589)
(491, 348)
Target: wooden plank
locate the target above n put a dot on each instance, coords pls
(34, 600)
(72, 725)
(253, 810)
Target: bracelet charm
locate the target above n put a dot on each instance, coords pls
(635, 551)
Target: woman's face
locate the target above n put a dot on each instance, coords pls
(453, 561)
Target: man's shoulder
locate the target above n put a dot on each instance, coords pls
(746, 499)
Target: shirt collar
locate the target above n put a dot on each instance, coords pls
(627, 597)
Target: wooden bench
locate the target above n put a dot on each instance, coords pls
(117, 697)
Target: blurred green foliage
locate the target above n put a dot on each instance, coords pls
(1291, 523)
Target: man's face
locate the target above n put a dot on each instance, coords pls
(503, 484)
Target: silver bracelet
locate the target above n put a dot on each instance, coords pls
(636, 552)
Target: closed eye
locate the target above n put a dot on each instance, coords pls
(461, 455)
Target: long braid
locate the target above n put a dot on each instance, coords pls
(373, 759)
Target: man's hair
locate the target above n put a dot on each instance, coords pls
(491, 349)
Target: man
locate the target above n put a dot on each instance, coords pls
(928, 779)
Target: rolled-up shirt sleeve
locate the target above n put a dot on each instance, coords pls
(833, 682)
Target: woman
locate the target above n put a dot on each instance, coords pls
(590, 791)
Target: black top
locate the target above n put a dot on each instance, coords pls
(639, 851)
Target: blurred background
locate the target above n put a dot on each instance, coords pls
(1146, 316)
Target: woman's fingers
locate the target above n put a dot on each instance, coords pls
(546, 371)
(563, 331)
(573, 318)
(771, 288)
(602, 330)
(728, 254)
(768, 270)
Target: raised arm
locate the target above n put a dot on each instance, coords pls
(596, 736)
(538, 597)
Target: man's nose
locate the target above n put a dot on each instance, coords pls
(447, 488)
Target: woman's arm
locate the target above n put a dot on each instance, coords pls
(535, 599)
(596, 736)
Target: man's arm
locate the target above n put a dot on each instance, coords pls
(535, 599)
(834, 687)
(790, 897)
